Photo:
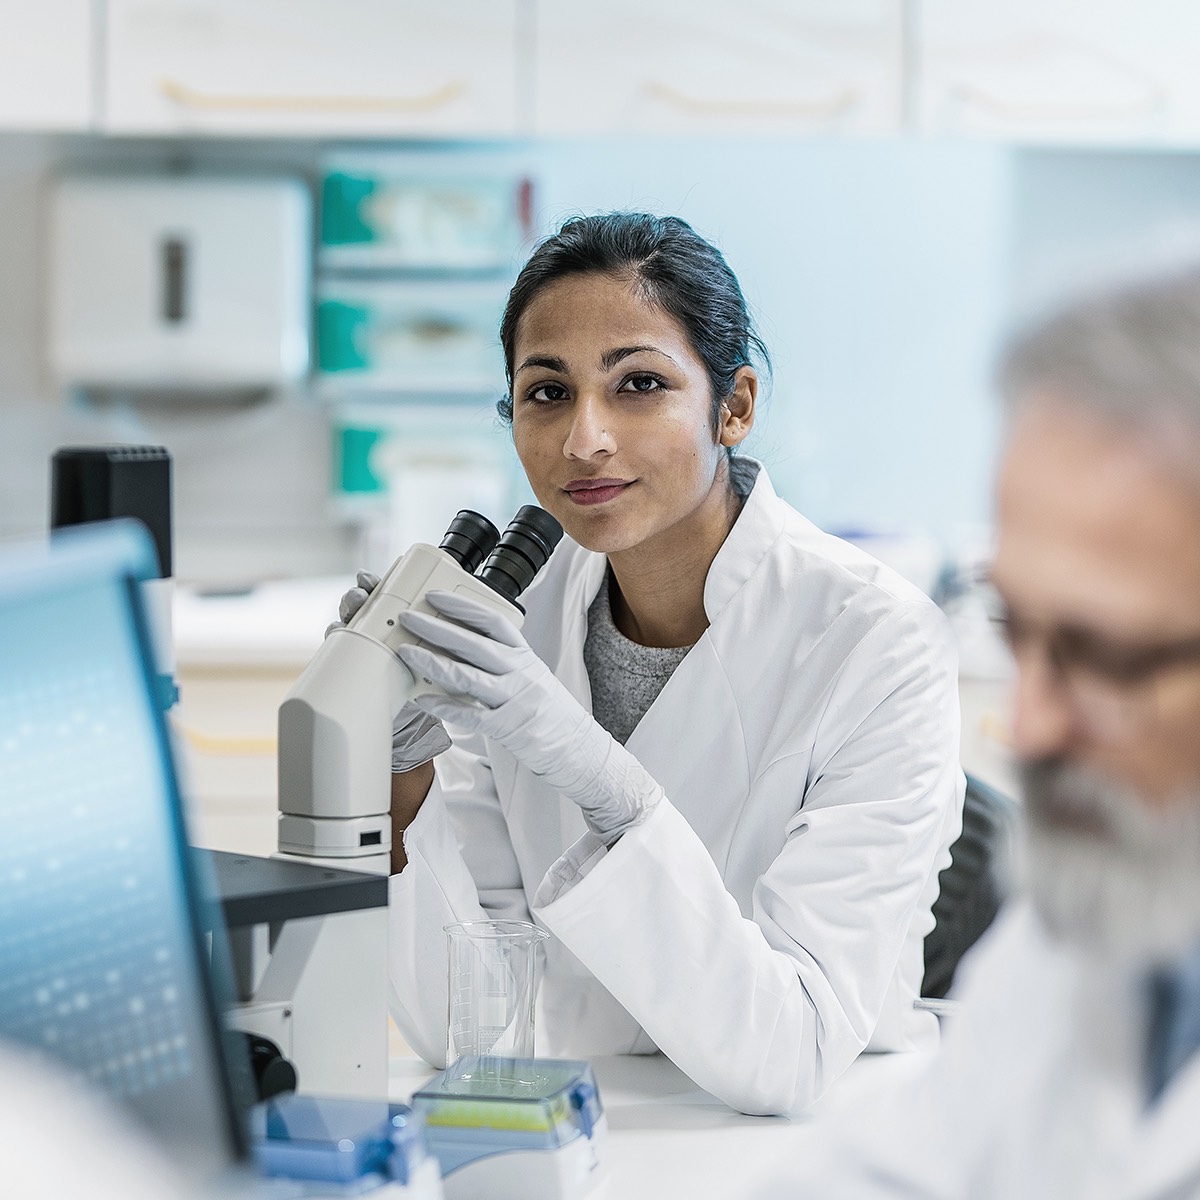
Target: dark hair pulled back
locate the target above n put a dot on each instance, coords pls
(671, 265)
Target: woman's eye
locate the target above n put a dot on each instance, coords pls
(642, 383)
(547, 393)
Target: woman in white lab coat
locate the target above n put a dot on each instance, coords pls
(720, 766)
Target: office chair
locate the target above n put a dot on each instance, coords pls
(973, 886)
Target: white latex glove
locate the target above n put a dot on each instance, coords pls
(417, 737)
(502, 689)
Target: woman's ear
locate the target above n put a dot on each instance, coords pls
(737, 410)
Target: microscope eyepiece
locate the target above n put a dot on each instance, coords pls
(521, 552)
(512, 559)
(470, 539)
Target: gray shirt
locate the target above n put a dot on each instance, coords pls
(625, 676)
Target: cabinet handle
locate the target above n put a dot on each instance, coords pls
(1152, 99)
(1015, 110)
(832, 106)
(188, 97)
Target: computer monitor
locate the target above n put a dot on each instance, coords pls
(104, 960)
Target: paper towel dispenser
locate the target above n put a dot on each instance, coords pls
(179, 284)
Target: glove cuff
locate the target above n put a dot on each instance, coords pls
(617, 793)
(417, 742)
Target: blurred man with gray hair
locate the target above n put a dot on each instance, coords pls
(1072, 1067)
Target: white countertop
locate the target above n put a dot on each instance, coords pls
(277, 623)
(667, 1138)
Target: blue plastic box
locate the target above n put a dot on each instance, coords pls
(336, 1140)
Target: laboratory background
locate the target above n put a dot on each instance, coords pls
(347, 191)
(275, 238)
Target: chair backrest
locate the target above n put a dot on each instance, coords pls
(973, 886)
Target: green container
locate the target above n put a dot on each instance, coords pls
(343, 335)
(352, 470)
(342, 200)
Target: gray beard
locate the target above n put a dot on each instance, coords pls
(1108, 873)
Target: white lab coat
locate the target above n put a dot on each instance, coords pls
(1038, 1093)
(60, 1137)
(766, 921)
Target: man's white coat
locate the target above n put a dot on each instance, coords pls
(1038, 1093)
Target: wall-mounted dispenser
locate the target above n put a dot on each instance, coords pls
(179, 283)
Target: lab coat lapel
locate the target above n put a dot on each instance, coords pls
(696, 720)
(1167, 1160)
(577, 599)
(750, 540)
(693, 724)
(1140, 1153)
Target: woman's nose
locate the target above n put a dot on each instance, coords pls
(588, 434)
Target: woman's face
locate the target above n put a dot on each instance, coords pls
(612, 416)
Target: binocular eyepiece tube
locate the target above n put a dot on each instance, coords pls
(510, 560)
(469, 540)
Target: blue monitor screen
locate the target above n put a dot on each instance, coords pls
(102, 961)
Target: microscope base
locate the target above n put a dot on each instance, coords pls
(336, 837)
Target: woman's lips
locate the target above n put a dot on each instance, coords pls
(595, 491)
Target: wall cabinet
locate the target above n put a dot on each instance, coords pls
(46, 64)
(381, 68)
(1101, 72)
(764, 66)
(1070, 71)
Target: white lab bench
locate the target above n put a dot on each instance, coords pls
(239, 653)
(667, 1138)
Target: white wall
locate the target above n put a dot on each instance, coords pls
(1083, 217)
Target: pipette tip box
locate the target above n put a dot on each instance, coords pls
(523, 1128)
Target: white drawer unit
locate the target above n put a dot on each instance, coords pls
(382, 68)
(708, 67)
(1074, 72)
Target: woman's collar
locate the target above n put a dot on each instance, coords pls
(754, 532)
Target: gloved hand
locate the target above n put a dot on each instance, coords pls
(417, 737)
(501, 688)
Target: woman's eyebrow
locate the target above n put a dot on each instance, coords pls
(611, 357)
(546, 361)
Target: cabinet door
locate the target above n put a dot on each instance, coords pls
(710, 67)
(388, 68)
(1078, 71)
(46, 64)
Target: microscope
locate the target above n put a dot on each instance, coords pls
(311, 970)
(335, 726)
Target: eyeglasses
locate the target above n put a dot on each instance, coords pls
(1112, 685)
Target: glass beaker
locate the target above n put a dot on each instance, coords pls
(493, 980)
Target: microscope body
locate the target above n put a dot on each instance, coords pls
(335, 726)
(318, 985)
